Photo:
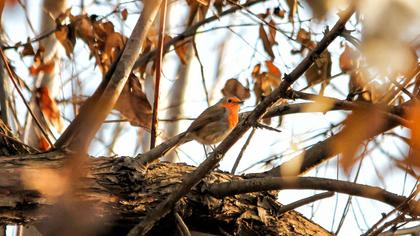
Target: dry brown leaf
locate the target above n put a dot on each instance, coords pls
(272, 69)
(66, 36)
(43, 145)
(413, 159)
(218, 4)
(349, 59)
(49, 108)
(256, 71)
(272, 30)
(83, 28)
(320, 70)
(234, 88)
(113, 45)
(28, 50)
(47, 67)
(124, 14)
(303, 36)
(279, 12)
(360, 125)
(133, 104)
(181, 49)
(266, 42)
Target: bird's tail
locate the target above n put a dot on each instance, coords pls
(164, 148)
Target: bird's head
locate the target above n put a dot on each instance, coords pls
(232, 103)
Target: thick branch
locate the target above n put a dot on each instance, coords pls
(279, 183)
(192, 179)
(83, 128)
(118, 192)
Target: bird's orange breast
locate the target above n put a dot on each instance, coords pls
(232, 115)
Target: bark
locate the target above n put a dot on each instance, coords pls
(115, 193)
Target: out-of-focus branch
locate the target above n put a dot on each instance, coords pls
(83, 128)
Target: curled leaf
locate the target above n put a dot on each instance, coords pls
(266, 42)
(133, 104)
(234, 88)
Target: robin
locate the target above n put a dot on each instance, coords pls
(214, 123)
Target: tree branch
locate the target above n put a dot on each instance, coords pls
(118, 192)
(280, 183)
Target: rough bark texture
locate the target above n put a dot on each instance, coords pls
(115, 193)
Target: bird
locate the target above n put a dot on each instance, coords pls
(213, 124)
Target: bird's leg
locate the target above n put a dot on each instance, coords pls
(212, 147)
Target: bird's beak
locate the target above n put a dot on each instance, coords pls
(240, 102)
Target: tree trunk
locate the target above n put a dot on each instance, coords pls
(109, 195)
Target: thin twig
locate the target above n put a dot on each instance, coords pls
(13, 79)
(203, 78)
(304, 201)
(158, 71)
(241, 153)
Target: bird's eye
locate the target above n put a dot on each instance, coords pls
(229, 100)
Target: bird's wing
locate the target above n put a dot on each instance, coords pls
(209, 115)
